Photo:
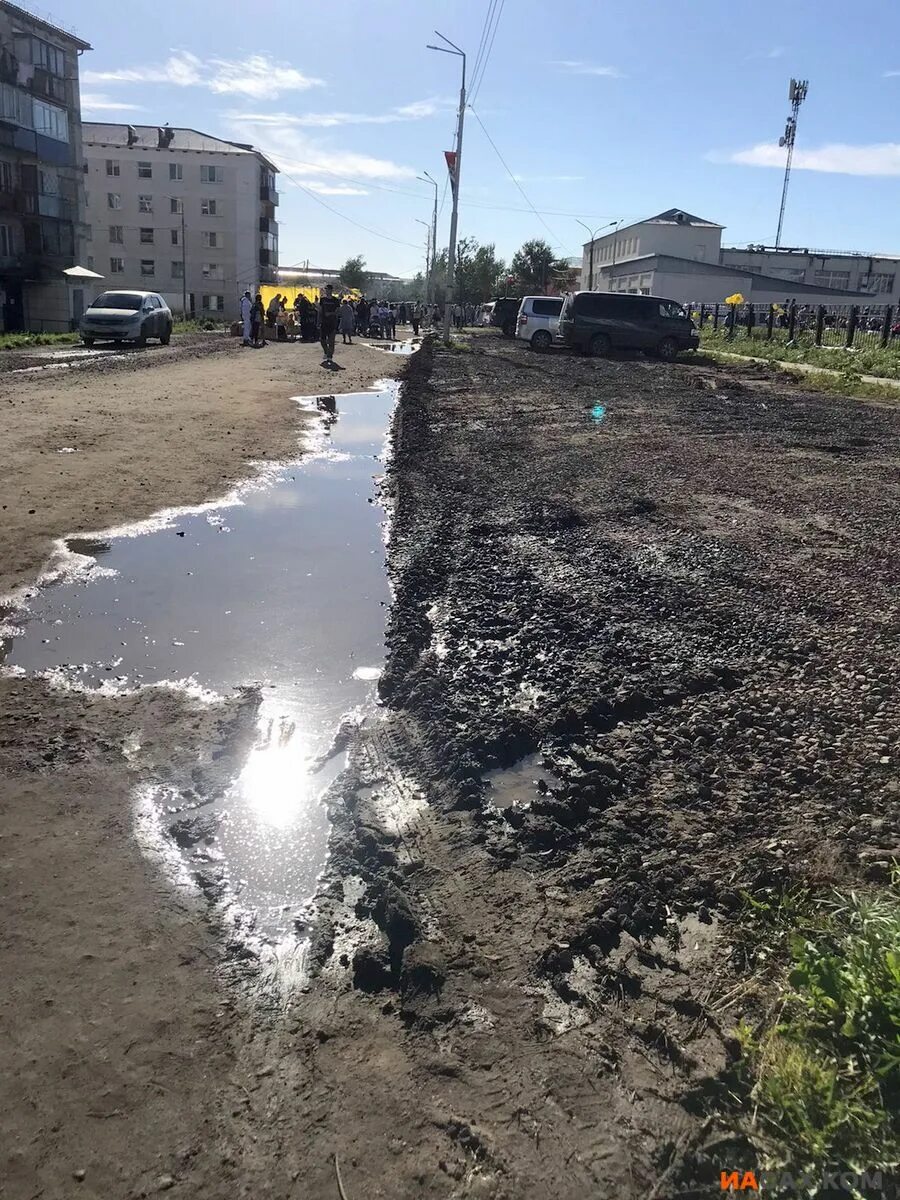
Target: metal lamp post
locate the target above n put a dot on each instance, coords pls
(426, 178)
(454, 182)
(427, 257)
(591, 237)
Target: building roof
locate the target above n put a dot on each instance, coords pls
(677, 216)
(56, 30)
(115, 133)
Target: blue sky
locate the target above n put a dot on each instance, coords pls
(603, 109)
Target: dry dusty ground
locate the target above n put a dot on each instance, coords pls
(685, 605)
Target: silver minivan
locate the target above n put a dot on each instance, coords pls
(126, 316)
(538, 320)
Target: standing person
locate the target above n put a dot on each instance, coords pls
(392, 319)
(416, 318)
(246, 308)
(273, 310)
(348, 321)
(257, 320)
(362, 317)
(329, 308)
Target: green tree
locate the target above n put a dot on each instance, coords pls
(536, 267)
(354, 274)
(477, 271)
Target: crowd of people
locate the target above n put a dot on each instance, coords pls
(334, 314)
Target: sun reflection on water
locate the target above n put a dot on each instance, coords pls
(277, 783)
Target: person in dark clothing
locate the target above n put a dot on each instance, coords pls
(257, 319)
(362, 317)
(329, 308)
(392, 321)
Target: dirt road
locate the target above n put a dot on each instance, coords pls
(665, 594)
(161, 426)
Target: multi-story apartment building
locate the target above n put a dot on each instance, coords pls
(41, 171)
(182, 213)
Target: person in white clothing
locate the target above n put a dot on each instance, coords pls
(246, 308)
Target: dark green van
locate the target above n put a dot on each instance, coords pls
(597, 322)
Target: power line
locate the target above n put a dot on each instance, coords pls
(477, 79)
(368, 229)
(513, 178)
(484, 36)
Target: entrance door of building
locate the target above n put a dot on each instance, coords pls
(13, 308)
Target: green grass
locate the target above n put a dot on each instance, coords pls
(825, 1074)
(196, 326)
(20, 341)
(845, 383)
(865, 361)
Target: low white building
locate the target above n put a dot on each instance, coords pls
(679, 255)
(179, 212)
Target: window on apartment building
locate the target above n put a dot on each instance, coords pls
(176, 171)
(6, 176)
(176, 205)
(6, 244)
(51, 121)
(176, 236)
(148, 266)
(177, 269)
(210, 238)
(51, 58)
(113, 200)
(212, 271)
(145, 204)
(146, 237)
(117, 266)
(212, 174)
(112, 166)
(145, 170)
(117, 235)
(209, 208)
(212, 303)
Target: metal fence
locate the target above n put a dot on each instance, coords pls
(842, 326)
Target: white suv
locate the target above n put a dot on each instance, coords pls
(538, 320)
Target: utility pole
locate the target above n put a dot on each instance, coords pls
(434, 217)
(615, 248)
(796, 94)
(184, 315)
(427, 257)
(454, 183)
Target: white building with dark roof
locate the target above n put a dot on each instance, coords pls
(180, 212)
(680, 255)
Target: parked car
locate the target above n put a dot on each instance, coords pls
(597, 322)
(538, 320)
(126, 317)
(505, 313)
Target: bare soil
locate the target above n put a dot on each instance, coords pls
(677, 590)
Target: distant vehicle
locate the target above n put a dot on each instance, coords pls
(127, 317)
(505, 313)
(538, 320)
(597, 322)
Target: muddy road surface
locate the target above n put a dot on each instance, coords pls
(641, 653)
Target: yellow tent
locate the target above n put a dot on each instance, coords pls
(290, 294)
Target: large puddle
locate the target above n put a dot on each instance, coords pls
(282, 586)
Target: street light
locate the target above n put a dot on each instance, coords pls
(454, 180)
(427, 256)
(426, 178)
(591, 237)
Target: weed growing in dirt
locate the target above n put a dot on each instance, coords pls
(866, 361)
(826, 1074)
(843, 383)
(20, 341)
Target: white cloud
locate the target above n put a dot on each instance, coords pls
(332, 189)
(774, 52)
(257, 75)
(890, 74)
(583, 68)
(94, 102)
(416, 111)
(837, 158)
